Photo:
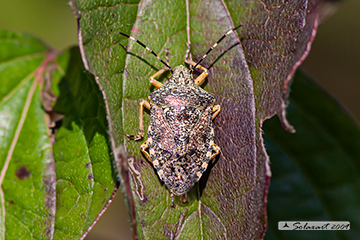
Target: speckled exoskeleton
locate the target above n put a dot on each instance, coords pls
(180, 134)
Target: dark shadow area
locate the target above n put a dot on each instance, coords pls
(81, 102)
(206, 174)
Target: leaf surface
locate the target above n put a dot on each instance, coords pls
(86, 181)
(276, 37)
(47, 190)
(249, 86)
(27, 179)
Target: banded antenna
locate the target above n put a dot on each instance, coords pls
(214, 46)
(148, 49)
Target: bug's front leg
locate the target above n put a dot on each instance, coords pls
(156, 83)
(202, 76)
(141, 121)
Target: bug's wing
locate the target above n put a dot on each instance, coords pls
(201, 141)
(161, 143)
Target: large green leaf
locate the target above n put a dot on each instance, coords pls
(86, 180)
(27, 179)
(315, 171)
(50, 190)
(236, 188)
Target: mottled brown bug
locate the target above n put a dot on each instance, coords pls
(180, 134)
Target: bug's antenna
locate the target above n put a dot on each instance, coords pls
(214, 46)
(148, 49)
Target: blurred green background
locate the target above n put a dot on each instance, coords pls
(334, 62)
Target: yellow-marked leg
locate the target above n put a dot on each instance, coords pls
(216, 110)
(141, 121)
(192, 63)
(216, 150)
(202, 76)
(154, 82)
(143, 148)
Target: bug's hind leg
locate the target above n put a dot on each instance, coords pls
(141, 121)
(143, 148)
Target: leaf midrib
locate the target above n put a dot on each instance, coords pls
(11, 150)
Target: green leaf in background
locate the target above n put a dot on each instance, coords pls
(50, 191)
(106, 60)
(316, 171)
(86, 180)
(27, 179)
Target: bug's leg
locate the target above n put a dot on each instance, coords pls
(202, 76)
(153, 81)
(189, 61)
(143, 148)
(216, 150)
(141, 121)
(216, 110)
(156, 83)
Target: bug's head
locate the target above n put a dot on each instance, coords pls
(181, 75)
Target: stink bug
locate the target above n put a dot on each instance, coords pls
(180, 134)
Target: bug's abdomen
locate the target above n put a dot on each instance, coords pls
(180, 139)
